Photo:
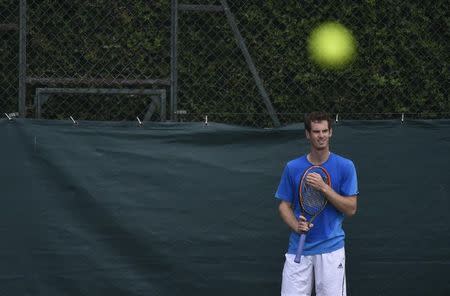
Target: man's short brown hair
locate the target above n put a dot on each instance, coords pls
(317, 116)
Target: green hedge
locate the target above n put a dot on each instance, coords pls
(401, 67)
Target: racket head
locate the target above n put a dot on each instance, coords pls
(313, 201)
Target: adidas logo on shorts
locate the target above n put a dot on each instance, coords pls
(340, 266)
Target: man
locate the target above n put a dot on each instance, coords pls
(323, 259)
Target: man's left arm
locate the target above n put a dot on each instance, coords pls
(345, 204)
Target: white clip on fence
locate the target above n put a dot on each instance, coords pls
(74, 121)
(140, 123)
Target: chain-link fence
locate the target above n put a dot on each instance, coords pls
(9, 48)
(401, 67)
(96, 45)
(242, 62)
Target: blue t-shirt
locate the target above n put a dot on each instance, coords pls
(327, 234)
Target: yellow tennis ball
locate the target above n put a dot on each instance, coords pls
(331, 45)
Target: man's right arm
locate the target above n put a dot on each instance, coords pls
(289, 218)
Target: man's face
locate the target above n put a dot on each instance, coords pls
(320, 134)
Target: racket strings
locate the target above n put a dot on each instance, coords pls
(312, 201)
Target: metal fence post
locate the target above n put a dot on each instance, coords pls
(251, 65)
(22, 57)
(173, 60)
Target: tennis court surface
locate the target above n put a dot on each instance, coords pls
(185, 209)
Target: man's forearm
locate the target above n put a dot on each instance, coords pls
(347, 205)
(288, 216)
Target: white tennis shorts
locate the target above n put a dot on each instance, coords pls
(325, 271)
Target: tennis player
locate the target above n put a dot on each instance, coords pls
(323, 261)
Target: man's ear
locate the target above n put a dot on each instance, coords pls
(331, 132)
(307, 134)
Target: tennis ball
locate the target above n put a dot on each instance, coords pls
(331, 45)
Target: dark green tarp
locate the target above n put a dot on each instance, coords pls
(187, 209)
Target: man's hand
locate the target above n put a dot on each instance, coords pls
(303, 225)
(346, 205)
(315, 180)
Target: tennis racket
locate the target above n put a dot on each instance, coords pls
(312, 202)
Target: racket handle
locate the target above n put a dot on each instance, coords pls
(301, 243)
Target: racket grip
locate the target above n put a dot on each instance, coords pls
(301, 243)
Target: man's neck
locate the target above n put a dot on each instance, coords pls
(318, 157)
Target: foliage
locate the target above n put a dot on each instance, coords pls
(401, 67)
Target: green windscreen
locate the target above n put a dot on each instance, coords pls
(187, 209)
